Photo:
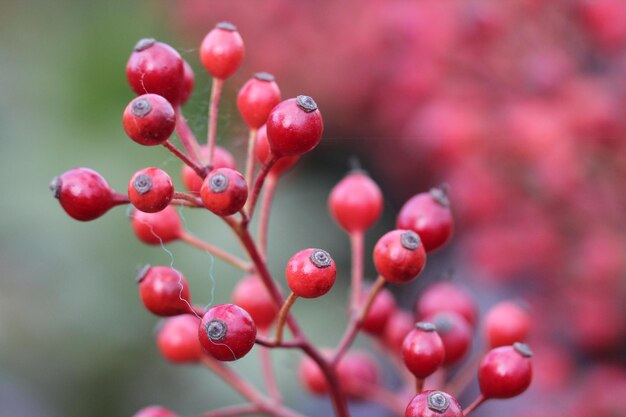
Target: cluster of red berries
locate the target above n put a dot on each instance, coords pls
(280, 132)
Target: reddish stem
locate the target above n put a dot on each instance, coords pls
(465, 375)
(258, 184)
(477, 402)
(264, 219)
(282, 316)
(192, 199)
(177, 153)
(187, 138)
(236, 410)
(267, 369)
(214, 250)
(419, 385)
(251, 157)
(216, 93)
(292, 344)
(356, 244)
(118, 199)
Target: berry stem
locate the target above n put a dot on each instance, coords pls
(269, 377)
(264, 219)
(118, 199)
(292, 344)
(236, 410)
(356, 244)
(464, 376)
(193, 200)
(216, 93)
(180, 155)
(258, 184)
(477, 402)
(187, 138)
(251, 156)
(214, 250)
(419, 385)
(282, 315)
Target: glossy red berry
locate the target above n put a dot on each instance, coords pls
(381, 309)
(422, 350)
(150, 190)
(227, 332)
(310, 273)
(156, 68)
(455, 333)
(294, 126)
(399, 256)
(155, 411)
(428, 215)
(157, 228)
(189, 81)
(506, 323)
(398, 326)
(505, 371)
(258, 96)
(262, 151)
(149, 120)
(357, 373)
(83, 193)
(222, 50)
(446, 296)
(222, 158)
(164, 291)
(356, 202)
(178, 339)
(251, 294)
(433, 404)
(224, 191)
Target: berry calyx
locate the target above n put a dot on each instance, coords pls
(294, 127)
(446, 296)
(149, 120)
(157, 228)
(156, 68)
(422, 350)
(84, 194)
(506, 371)
(164, 291)
(399, 256)
(227, 332)
(251, 294)
(263, 154)
(433, 404)
(155, 411)
(310, 273)
(222, 158)
(222, 50)
(224, 191)
(381, 309)
(177, 339)
(428, 215)
(258, 96)
(356, 202)
(506, 323)
(455, 334)
(150, 190)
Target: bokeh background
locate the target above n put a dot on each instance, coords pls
(517, 105)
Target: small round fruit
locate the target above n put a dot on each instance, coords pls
(157, 228)
(222, 50)
(224, 191)
(294, 127)
(157, 68)
(455, 333)
(83, 193)
(357, 373)
(428, 215)
(164, 291)
(221, 159)
(258, 96)
(262, 151)
(149, 120)
(398, 326)
(422, 350)
(446, 296)
(155, 411)
(505, 371)
(311, 273)
(227, 332)
(150, 190)
(382, 308)
(189, 80)
(178, 339)
(506, 323)
(433, 404)
(251, 294)
(356, 202)
(311, 376)
(399, 256)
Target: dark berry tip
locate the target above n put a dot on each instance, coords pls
(144, 43)
(226, 26)
(426, 326)
(410, 240)
(321, 258)
(216, 330)
(142, 272)
(264, 76)
(523, 349)
(440, 195)
(142, 183)
(141, 107)
(306, 103)
(218, 183)
(55, 186)
(438, 401)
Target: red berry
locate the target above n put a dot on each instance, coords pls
(262, 151)
(149, 120)
(356, 202)
(157, 228)
(227, 332)
(383, 306)
(398, 326)
(155, 411)
(399, 256)
(505, 371)
(506, 323)
(251, 294)
(311, 376)
(189, 80)
(83, 193)
(221, 51)
(422, 350)
(150, 190)
(357, 373)
(164, 291)
(428, 215)
(446, 296)
(258, 96)
(224, 191)
(178, 339)
(156, 68)
(294, 126)
(433, 404)
(221, 159)
(310, 273)
(455, 333)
